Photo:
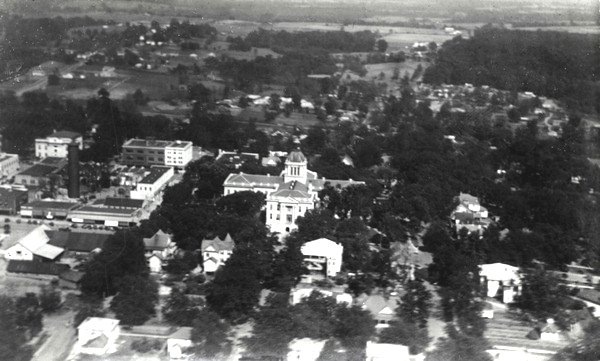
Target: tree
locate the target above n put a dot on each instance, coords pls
(273, 327)
(241, 204)
(351, 233)
(50, 299)
(382, 45)
(122, 254)
(210, 336)
(406, 333)
(135, 301)
(29, 313)
(236, 287)
(459, 347)
(312, 317)
(12, 347)
(179, 310)
(415, 303)
(542, 295)
(53, 79)
(353, 326)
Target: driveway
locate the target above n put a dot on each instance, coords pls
(62, 337)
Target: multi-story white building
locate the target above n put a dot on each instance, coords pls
(148, 152)
(323, 255)
(178, 154)
(289, 195)
(55, 145)
(9, 165)
(155, 180)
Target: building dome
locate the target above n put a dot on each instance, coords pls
(296, 156)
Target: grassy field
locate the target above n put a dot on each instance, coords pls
(570, 29)
(298, 120)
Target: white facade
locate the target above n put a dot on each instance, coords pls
(154, 182)
(216, 252)
(178, 342)
(9, 165)
(386, 352)
(282, 212)
(178, 154)
(323, 254)
(470, 214)
(501, 278)
(34, 244)
(289, 195)
(55, 145)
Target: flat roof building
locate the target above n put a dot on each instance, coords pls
(9, 165)
(149, 152)
(48, 209)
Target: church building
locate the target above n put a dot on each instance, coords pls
(289, 195)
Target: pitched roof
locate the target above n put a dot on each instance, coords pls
(38, 170)
(251, 180)
(379, 305)
(34, 267)
(37, 240)
(386, 351)
(296, 156)
(158, 242)
(218, 244)
(293, 189)
(77, 241)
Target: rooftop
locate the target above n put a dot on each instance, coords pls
(154, 175)
(65, 134)
(38, 170)
(50, 204)
(33, 267)
(155, 143)
(99, 324)
(218, 244)
(54, 161)
(5, 156)
(114, 202)
(159, 241)
(102, 211)
(77, 241)
(146, 143)
(9, 194)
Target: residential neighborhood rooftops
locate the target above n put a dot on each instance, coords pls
(217, 244)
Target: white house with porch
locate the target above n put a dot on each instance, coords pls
(501, 279)
(323, 255)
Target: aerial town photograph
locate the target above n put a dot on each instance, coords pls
(300, 180)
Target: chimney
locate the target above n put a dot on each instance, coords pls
(73, 156)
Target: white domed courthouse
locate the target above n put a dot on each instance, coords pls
(289, 195)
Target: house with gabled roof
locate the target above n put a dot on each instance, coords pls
(289, 195)
(216, 252)
(382, 308)
(35, 245)
(158, 249)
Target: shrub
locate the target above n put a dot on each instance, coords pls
(145, 345)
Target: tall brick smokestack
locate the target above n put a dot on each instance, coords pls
(73, 153)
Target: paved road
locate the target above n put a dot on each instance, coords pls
(435, 324)
(61, 340)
